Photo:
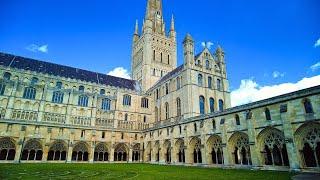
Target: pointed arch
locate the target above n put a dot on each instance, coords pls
(121, 152)
(80, 152)
(58, 151)
(101, 152)
(7, 149)
(32, 151)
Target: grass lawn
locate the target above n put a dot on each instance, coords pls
(129, 171)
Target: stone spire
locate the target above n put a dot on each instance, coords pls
(136, 32)
(172, 24)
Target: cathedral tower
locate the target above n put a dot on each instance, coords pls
(154, 50)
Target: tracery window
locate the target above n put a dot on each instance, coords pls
(144, 102)
(57, 97)
(211, 105)
(241, 149)
(57, 152)
(80, 152)
(101, 152)
(216, 151)
(7, 149)
(126, 100)
(106, 104)
(120, 153)
(83, 101)
(275, 152)
(32, 151)
(197, 156)
(29, 93)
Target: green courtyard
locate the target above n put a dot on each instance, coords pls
(129, 171)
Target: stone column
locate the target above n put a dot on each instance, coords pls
(18, 152)
(45, 153)
(204, 151)
(69, 153)
(91, 154)
(292, 149)
(130, 155)
(112, 153)
(254, 150)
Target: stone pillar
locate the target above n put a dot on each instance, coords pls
(18, 152)
(204, 150)
(112, 153)
(130, 155)
(91, 154)
(226, 155)
(254, 150)
(292, 148)
(69, 153)
(45, 153)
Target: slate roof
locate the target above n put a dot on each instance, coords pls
(169, 75)
(17, 62)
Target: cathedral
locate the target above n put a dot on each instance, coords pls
(167, 114)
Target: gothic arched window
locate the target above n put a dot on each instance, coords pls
(144, 103)
(308, 106)
(81, 88)
(210, 82)
(83, 101)
(167, 110)
(178, 83)
(200, 80)
(211, 105)
(7, 76)
(29, 93)
(207, 64)
(126, 100)
(221, 106)
(267, 114)
(106, 104)
(201, 104)
(178, 107)
(59, 85)
(57, 97)
(237, 120)
(219, 84)
(102, 92)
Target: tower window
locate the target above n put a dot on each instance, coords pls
(144, 103)
(200, 79)
(102, 92)
(103, 135)
(83, 133)
(161, 57)
(201, 104)
(167, 88)
(81, 88)
(167, 110)
(211, 105)
(168, 59)
(221, 105)
(59, 85)
(210, 82)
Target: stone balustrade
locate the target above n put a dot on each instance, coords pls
(54, 118)
(80, 121)
(108, 123)
(24, 115)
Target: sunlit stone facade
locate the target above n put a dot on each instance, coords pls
(165, 115)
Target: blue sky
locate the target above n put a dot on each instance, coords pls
(267, 42)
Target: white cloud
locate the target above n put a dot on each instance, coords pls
(251, 91)
(277, 74)
(317, 44)
(120, 72)
(38, 48)
(207, 44)
(315, 66)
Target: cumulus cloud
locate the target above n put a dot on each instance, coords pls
(38, 48)
(317, 44)
(120, 72)
(251, 91)
(277, 74)
(315, 67)
(207, 44)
